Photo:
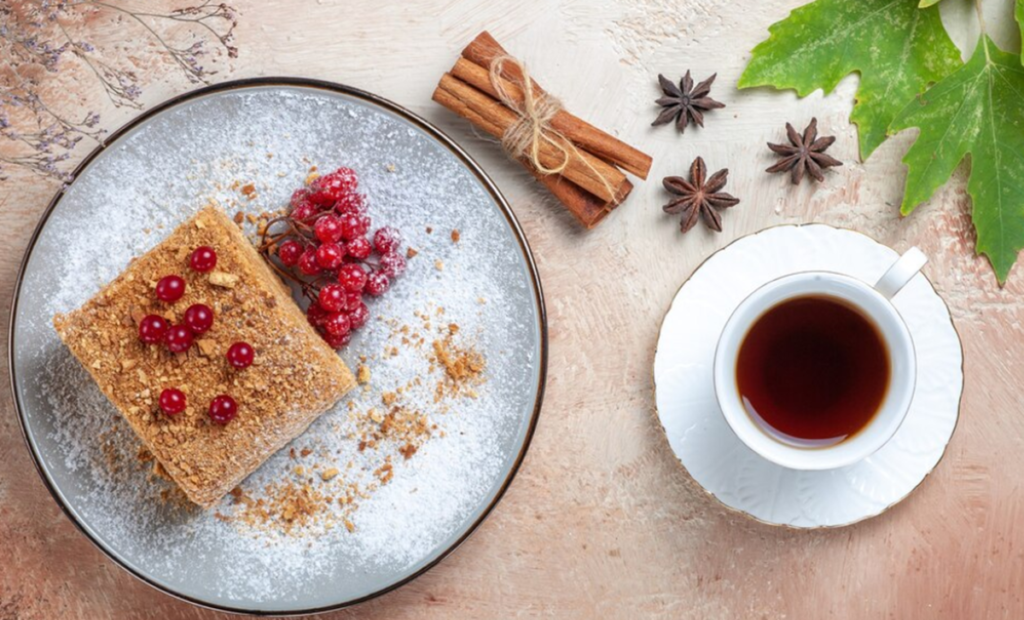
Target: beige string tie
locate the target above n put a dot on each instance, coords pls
(525, 137)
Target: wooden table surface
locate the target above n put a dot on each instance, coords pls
(602, 521)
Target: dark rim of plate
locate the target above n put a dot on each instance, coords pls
(388, 106)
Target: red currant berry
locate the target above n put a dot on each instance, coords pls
(332, 298)
(321, 200)
(359, 248)
(353, 226)
(353, 299)
(178, 339)
(223, 409)
(204, 258)
(289, 253)
(337, 342)
(330, 188)
(392, 265)
(303, 212)
(351, 203)
(198, 318)
(328, 228)
(358, 315)
(315, 314)
(387, 240)
(329, 256)
(337, 324)
(308, 263)
(377, 284)
(170, 288)
(240, 355)
(352, 277)
(172, 401)
(152, 329)
(299, 196)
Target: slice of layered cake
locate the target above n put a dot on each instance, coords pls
(205, 353)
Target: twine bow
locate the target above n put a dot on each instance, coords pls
(525, 138)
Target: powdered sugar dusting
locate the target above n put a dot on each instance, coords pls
(158, 176)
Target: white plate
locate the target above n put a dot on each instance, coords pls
(734, 474)
(154, 174)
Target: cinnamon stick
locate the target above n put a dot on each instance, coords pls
(484, 49)
(474, 69)
(585, 207)
(592, 174)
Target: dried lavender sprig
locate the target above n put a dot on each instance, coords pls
(48, 144)
(187, 58)
(36, 34)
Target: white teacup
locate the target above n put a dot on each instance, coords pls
(874, 303)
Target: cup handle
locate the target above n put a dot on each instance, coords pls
(901, 272)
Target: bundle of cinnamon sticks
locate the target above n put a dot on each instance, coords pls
(589, 182)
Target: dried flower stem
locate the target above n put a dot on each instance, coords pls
(38, 34)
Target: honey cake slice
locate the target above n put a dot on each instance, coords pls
(294, 377)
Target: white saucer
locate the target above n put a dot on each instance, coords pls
(731, 472)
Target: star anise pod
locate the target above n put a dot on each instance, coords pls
(699, 196)
(806, 152)
(684, 103)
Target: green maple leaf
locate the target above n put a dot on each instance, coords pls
(897, 48)
(976, 110)
(1018, 13)
(928, 3)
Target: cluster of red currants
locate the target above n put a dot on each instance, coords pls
(198, 318)
(327, 241)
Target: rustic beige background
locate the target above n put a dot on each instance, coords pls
(602, 521)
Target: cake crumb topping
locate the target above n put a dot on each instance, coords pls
(204, 459)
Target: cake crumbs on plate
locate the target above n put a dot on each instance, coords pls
(385, 433)
(284, 506)
(463, 367)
